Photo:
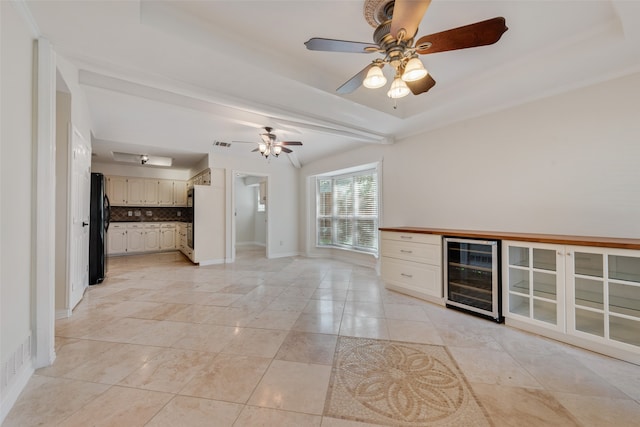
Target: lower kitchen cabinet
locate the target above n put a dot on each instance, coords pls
(117, 239)
(167, 237)
(534, 283)
(123, 238)
(152, 237)
(412, 264)
(135, 238)
(588, 296)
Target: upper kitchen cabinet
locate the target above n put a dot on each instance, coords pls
(180, 193)
(131, 191)
(117, 190)
(165, 192)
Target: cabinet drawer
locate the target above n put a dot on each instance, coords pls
(136, 226)
(421, 278)
(152, 226)
(114, 226)
(433, 239)
(417, 252)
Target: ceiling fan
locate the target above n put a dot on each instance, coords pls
(270, 145)
(396, 25)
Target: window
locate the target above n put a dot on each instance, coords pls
(347, 211)
(262, 196)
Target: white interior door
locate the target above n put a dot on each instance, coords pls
(80, 205)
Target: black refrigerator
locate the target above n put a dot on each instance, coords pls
(98, 226)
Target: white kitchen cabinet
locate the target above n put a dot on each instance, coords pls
(135, 238)
(165, 192)
(151, 192)
(412, 264)
(180, 193)
(117, 190)
(588, 296)
(167, 236)
(151, 237)
(135, 191)
(534, 283)
(116, 239)
(603, 295)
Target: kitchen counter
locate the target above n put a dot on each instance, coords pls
(606, 242)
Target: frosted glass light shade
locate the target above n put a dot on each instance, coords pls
(262, 147)
(375, 78)
(277, 150)
(414, 70)
(398, 89)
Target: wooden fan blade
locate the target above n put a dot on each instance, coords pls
(422, 85)
(290, 143)
(332, 45)
(407, 15)
(254, 150)
(286, 150)
(479, 34)
(354, 82)
(244, 142)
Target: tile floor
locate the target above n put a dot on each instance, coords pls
(165, 343)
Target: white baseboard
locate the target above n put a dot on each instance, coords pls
(284, 255)
(63, 313)
(211, 262)
(11, 394)
(15, 374)
(264, 245)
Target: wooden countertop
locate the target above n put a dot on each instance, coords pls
(605, 242)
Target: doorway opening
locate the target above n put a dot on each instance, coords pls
(250, 214)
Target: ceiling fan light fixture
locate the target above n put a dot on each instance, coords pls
(262, 148)
(375, 79)
(414, 70)
(277, 150)
(399, 89)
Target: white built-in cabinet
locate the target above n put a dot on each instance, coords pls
(180, 193)
(117, 239)
(589, 294)
(117, 190)
(534, 283)
(412, 264)
(129, 191)
(151, 237)
(136, 237)
(167, 236)
(165, 192)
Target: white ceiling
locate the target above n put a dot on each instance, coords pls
(170, 78)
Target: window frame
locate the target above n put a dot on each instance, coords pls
(356, 214)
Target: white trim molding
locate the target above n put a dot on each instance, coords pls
(43, 308)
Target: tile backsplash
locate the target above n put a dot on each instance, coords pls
(150, 214)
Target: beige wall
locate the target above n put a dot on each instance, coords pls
(564, 165)
(16, 182)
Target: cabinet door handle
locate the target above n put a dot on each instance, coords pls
(406, 275)
(406, 237)
(568, 253)
(404, 251)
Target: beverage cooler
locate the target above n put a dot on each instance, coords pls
(472, 276)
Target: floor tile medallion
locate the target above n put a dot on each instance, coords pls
(400, 384)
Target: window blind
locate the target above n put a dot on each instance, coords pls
(347, 211)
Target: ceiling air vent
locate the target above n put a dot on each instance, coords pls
(221, 144)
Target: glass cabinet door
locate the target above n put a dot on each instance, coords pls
(606, 295)
(533, 277)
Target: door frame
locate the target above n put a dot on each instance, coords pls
(234, 173)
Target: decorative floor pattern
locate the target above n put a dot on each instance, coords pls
(400, 384)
